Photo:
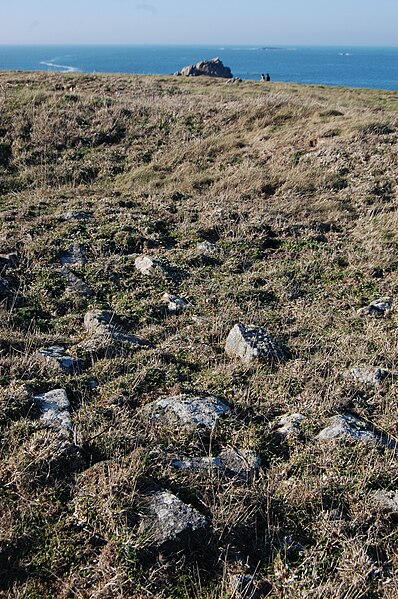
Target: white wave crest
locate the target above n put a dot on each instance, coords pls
(66, 68)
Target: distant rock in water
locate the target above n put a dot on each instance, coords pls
(209, 68)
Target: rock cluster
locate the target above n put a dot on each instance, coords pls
(209, 68)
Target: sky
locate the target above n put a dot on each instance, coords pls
(264, 22)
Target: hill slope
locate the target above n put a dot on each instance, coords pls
(272, 205)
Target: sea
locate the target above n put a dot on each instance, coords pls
(349, 66)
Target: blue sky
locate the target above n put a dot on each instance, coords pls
(266, 22)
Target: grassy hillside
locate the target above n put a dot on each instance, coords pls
(294, 189)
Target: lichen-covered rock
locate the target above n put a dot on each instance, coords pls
(58, 354)
(206, 248)
(240, 464)
(149, 266)
(74, 256)
(251, 343)
(192, 411)
(74, 284)
(386, 501)
(379, 308)
(347, 426)
(209, 68)
(366, 375)
(174, 303)
(171, 524)
(290, 424)
(55, 409)
(105, 335)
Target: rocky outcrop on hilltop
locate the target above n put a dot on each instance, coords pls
(209, 68)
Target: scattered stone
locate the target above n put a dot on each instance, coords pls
(170, 523)
(74, 284)
(105, 335)
(209, 68)
(74, 256)
(55, 408)
(387, 501)
(8, 260)
(234, 80)
(290, 424)
(251, 343)
(75, 215)
(367, 375)
(235, 464)
(59, 355)
(206, 248)
(148, 266)
(347, 426)
(379, 308)
(174, 303)
(193, 411)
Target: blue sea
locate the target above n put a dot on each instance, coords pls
(373, 67)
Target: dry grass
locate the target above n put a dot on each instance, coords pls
(297, 186)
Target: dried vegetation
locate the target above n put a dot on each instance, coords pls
(296, 187)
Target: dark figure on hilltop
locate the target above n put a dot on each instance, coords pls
(267, 77)
(262, 78)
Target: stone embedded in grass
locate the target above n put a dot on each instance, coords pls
(105, 335)
(8, 260)
(379, 308)
(74, 256)
(174, 303)
(75, 215)
(148, 266)
(170, 523)
(367, 375)
(206, 248)
(55, 409)
(241, 464)
(347, 426)
(74, 284)
(386, 501)
(251, 343)
(66, 362)
(290, 424)
(192, 411)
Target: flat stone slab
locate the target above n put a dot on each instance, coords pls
(74, 256)
(104, 330)
(75, 215)
(74, 284)
(171, 522)
(251, 343)
(378, 308)
(57, 353)
(193, 411)
(366, 375)
(206, 248)
(347, 426)
(55, 409)
(241, 464)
